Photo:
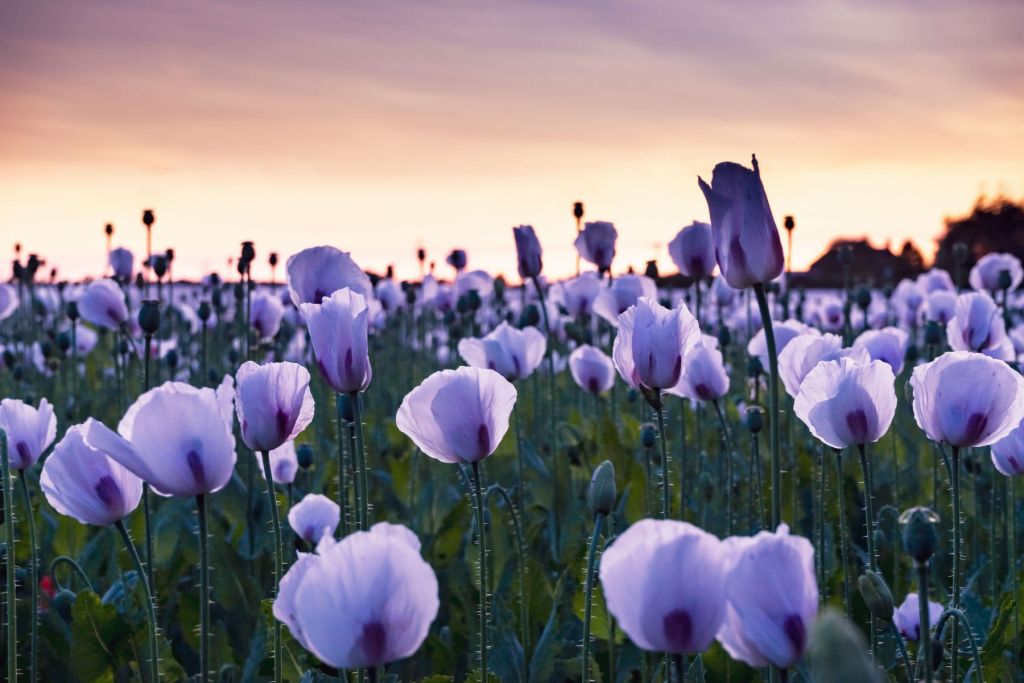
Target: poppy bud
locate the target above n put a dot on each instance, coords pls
(273, 259)
(64, 342)
(876, 594)
(724, 337)
(919, 536)
(304, 454)
(863, 298)
(601, 494)
(204, 311)
(344, 408)
(577, 210)
(148, 218)
(149, 317)
(108, 229)
(72, 310)
(159, 266)
(755, 419)
(172, 359)
(754, 367)
(648, 435)
(789, 223)
(838, 651)
(248, 251)
(169, 255)
(62, 603)
(531, 316)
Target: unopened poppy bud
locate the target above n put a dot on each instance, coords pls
(248, 251)
(912, 354)
(46, 347)
(876, 594)
(273, 259)
(601, 494)
(724, 337)
(172, 359)
(149, 317)
(64, 342)
(204, 311)
(919, 536)
(345, 412)
(863, 298)
(838, 651)
(754, 367)
(755, 419)
(72, 310)
(531, 316)
(304, 454)
(148, 218)
(648, 435)
(932, 333)
(159, 266)
(1005, 279)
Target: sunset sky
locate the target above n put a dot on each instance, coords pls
(378, 126)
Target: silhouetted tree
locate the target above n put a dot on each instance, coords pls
(993, 225)
(855, 261)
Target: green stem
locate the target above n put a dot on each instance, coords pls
(589, 594)
(154, 662)
(524, 606)
(12, 598)
(773, 397)
(33, 577)
(682, 459)
(666, 501)
(954, 476)
(342, 468)
(275, 517)
(903, 650)
(148, 519)
(869, 521)
(74, 565)
(204, 590)
(727, 434)
(357, 419)
(482, 535)
(1012, 505)
(841, 494)
(924, 631)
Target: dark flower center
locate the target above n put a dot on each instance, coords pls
(678, 628)
(976, 424)
(796, 632)
(109, 494)
(24, 453)
(195, 465)
(857, 421)
(483, 440)
(373, 641)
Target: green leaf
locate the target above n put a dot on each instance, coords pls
(100, 639)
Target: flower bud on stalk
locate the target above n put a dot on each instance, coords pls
(601, 494)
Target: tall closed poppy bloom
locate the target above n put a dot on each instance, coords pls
(747, 244)
(693, 250)
(596, 244)
(888, 344)
(845, 403)
(458, 416)
(176, 437)
(314, 517)
(511, 352)
(977, 325)
(908, 616)
(86, 484)
(592, 369)
(803, 353)
(338, 330)
(986, 272)
(664, 582)
(266, 314)
(273, 402)
(1008, 453)
(580, 294)
(967, 399)
(615, 300)
(319, 272)
(936, 280)
(652, 343)
(30, 431)
(704, 377)
(102, 304)
(772, 598)
(528, 252)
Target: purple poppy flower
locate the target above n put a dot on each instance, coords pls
(967, 399)
(511, 352)
(30, 431)
(693, 250)
(1008, 453)
(908, 616)
(771, 598)
(8, 301)
(704, 377)
(723, 293)
(592, 369)
(86, 484)
(803, 353)
(458, 416)
(985, 273)
(888, 344)
(338, 330)
(596, 244)
(785, 332)
(314, 517)
(284, 463)
(528, 252)
(978, 325)
(615, 300)
(364, 601)
(121, 263)
(102, 304)
(652, 342)
(390, 295)
(176, 437)
(936, 280)
(747, 244)
(319, 272)
(273, 402)
(844, 403)
(267, 312)
(663, 581)
(579, 294)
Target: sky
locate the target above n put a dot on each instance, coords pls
(383, 126)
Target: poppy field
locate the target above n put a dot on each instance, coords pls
(333, 475)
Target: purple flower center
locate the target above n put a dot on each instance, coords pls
(24, 453)
(703, 392)
(283, 428)
(593, 386)
(678, 628)
(737, 257)
(195, 465)
(976, 424)
(796, 632)
(348, 361)
(109, 494)
(857, 422)
(483, 440)
(373, 641)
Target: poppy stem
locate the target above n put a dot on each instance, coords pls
(482, 536)
(154, 663)
(727, 434)
(275, 517)
(1012, 505)
(589, 593)
(841, 494)
(773, 398)
(33, 577)
(74, 565)
(869, 521)
(342, 467)
(204, 591)
(666, 501)
(360, 460)
(954, 476)
(524, 606)
(12, 598)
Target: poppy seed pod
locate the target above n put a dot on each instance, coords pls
(72, 310)
(601, 494)
(159, 264)
(204, 311)
(839, 653)
(754, 419)
(919, 536)
(577, 210)
(148, 218)
(149, 317)
(304, 454)
(648, 435)
(248, 251)
(876, 594)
